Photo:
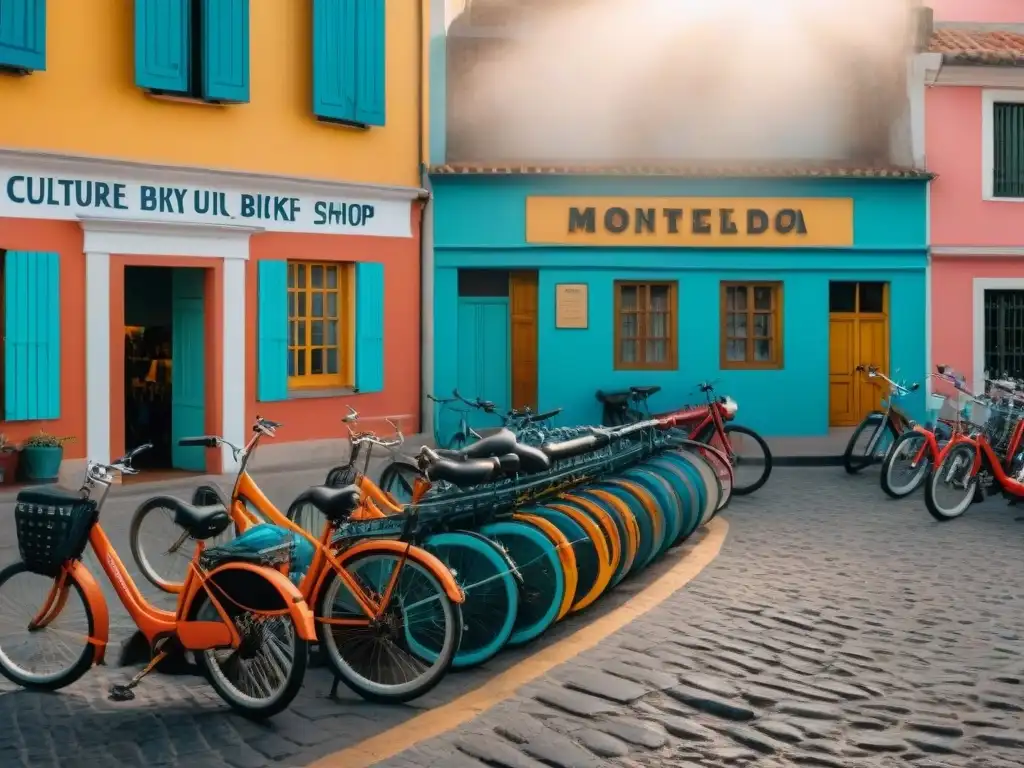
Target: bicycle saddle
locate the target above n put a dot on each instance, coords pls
(567, 449)
(336, 504)
(645, 391)
(467, 472)
(201, 523)
(501, 442)
(614, 398)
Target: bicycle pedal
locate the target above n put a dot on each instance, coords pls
(121, 693)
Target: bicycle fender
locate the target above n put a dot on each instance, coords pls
(418, 554)
(93, 594)
(291, 598)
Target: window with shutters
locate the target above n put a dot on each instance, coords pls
(22, 36)
(320, 324)
(1008, 150)
(193, 49)
(645, 326)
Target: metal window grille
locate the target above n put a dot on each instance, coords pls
(1008, 141)
(1004, 333)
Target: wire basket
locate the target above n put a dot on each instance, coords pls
(1002, 420)
(53, 527)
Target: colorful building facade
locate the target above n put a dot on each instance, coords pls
(548, 287)
(975, 145)
(209, 211)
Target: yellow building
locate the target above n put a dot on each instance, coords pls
(199, 167)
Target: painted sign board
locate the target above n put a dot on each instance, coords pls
(715, 222)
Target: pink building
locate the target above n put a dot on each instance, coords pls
(974, 143)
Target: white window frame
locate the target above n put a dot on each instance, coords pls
(982, 284)
(989, 99)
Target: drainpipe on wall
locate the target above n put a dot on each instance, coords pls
(427, 306)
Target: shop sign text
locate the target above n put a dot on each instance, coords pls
(47, 196)
(691, 222)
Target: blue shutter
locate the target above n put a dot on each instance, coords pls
(272, 332)
(23, 34)
(369, 327)
(163, 45)
(335, 36)
(32, 347)
(370, 66)
(226, 51)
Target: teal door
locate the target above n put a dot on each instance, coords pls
(188, 367)
(484, 354)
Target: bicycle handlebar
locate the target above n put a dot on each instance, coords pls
(358, 438)
(97, 470)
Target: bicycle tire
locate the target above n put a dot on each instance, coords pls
(649, 507)
(148, 571)
(875, 420)
(398, 479)
(712, 486)
(888, 487)
(81, 665)
(565, 554)
(644, 524)
(685, 486)
(712, 438)
(492, 595)
(543, 580)
(605, 522)
(620, 515)
(588, 555)
(935, 476)
(596, 536)
(665, 499)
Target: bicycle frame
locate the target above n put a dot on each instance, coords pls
(985, 457)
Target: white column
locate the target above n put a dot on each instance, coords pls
(427, 313)
(97, 356)
(233, 370)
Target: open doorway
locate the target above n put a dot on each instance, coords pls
(164, 364)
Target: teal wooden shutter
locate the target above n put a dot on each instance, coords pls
(370, 64)
(272, 332)
(23, 35)
(163, 45)
(1008, 165)
(32, 346)
(226, 51)
(335, 45)
(369, 327)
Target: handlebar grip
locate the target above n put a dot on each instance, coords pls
(137, 450)
(206, 441)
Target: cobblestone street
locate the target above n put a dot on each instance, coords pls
(836, 629)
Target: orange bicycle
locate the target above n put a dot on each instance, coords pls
(245, 622)
(387, 612)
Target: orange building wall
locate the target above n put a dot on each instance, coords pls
(320, 418)
(86, 101)
(64, 237)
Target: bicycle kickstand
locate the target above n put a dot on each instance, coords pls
(126, 692)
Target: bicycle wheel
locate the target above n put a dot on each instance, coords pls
(724, 474)
(588, 557)
(644, 525)
(542, 585)
(597, 537)
(161, 549)
(649, 508)
(664, 498)
(750, 454)
(563, 548)
(399, 480)
(605, 523)
(955, 475)
(868, 442)
(710, 484)
(410, 649)
(625, 524)
(264, 674)
(902, 471)
(492, 597)
(64, 632)
(685, 485)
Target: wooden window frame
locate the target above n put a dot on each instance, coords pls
(345, 290)
(671, 362)
(778, 307)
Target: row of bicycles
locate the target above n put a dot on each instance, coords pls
(394, 588)
(970, 446)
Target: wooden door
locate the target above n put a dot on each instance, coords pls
(483, 355)
(858, 335)
(188, 367)
(523, 314)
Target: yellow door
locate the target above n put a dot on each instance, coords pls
(858, 335)
(523, 311)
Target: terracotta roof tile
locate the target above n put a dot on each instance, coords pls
(703, 170)
(978, 45)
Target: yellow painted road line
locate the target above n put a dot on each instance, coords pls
(463, 709)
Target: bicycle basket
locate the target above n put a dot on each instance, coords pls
(53, 527)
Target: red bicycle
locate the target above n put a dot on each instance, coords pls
(708, 423)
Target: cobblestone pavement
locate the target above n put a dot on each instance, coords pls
(836, 629)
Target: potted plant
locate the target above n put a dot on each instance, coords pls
(8, 461)
(41, 456)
